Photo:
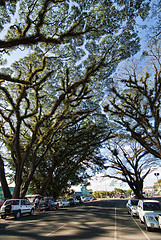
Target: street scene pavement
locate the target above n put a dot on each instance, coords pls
(98, 220)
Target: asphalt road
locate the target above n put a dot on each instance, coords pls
(99, 220)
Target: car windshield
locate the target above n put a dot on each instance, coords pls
(152, 206)
(134, 202)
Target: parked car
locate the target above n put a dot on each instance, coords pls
(78, 198)
(72, 202)
(93, 199)
(63, 203)
(54, 202)
(132, 207)
(86, 199)
(47, 205)
(16, 207)
(77, 202)
(149, 211)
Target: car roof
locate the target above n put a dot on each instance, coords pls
(149, 200)
(133, 199)
(14, 199)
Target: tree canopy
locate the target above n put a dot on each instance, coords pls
(128, 163)
(60, 50)
(138, 111)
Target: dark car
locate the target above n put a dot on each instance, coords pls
(47, 205)
(71, 202)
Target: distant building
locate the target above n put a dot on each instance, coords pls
(148, 190)
(84, 192)
(157, 187)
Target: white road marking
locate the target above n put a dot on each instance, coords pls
(141, 229)
(115, 232)
(55, 230)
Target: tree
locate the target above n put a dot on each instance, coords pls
(136, 107)
(52, 82)
(75, 153)
(128, 163)
(155, 15)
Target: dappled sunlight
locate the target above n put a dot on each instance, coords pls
(99, 220)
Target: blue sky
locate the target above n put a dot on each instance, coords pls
(98, 183)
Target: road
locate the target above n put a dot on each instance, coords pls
(99, 220)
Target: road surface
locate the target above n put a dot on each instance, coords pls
(98, 220)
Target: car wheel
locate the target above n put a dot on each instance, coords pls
(17, 214)
(32, 212)
(3, 217)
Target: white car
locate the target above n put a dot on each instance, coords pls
(132, 207)
(63, 203)
(86, 199)
(149, 211)
(76, 201)
(16, 207)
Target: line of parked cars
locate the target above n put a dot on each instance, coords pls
(18, 207)
(147, 210)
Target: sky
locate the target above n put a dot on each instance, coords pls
(98, 183)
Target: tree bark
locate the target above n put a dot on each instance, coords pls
(18, 182)
(28, 180)
(5, 187)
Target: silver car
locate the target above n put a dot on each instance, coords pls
(132, 207)
(63, 203)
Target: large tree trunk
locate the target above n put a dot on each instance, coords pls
(18, 182)
(28, 180)
(137, 187)
(47, 181)
(5, 188)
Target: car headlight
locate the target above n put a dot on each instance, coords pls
(133, 208)
(149, 217)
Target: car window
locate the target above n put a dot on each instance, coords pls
(7, 202)
(27, 202)
(23, 202)
(12, 202)
(134, 202)
(151, 206)
(15, 202)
